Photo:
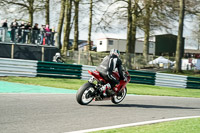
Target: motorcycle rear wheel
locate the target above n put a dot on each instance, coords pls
(118, 98)
(83, 95)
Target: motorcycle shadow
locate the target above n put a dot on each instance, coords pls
(143, 106)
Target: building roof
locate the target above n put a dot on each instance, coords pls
(110, 38)
(192, 51)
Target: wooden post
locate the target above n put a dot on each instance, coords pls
(12, 51)
(79, 57)
(42, 53)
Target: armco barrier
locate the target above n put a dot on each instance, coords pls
(59, 70)
(142, 77)
(171, 80)
(17, 67)
(27, 68)
(85, 75)
(193, 82)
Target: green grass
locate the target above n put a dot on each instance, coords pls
(50, 82)
(179, 126)
(74, 84)
(191, 73)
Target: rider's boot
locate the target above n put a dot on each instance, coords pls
(104, 88)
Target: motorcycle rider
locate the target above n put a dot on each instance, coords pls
(109, 64)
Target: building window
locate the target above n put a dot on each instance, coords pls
(150, 45)
(100, 43)
(110, 42)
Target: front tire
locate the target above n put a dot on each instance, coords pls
(118, 98)
(83, 96)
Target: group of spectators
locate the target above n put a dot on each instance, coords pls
(25, 33)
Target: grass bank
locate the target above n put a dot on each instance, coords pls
(74, 84)
(190, 73)
(179, 126)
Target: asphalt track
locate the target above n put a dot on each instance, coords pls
(59, 113)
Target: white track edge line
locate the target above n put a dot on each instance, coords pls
(133, 124)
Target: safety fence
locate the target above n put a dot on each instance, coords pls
(59, 70)
(27, 68)
(17, 67)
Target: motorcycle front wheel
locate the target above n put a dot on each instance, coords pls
(118, 98)
(84, 94)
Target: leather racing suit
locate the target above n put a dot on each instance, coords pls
(107, 66)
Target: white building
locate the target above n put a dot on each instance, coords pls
(106, 44)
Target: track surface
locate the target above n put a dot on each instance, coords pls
(58, 113)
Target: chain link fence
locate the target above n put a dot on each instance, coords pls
(130, 61)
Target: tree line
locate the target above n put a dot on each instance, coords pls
(144, 15)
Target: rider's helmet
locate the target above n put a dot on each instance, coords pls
(115, 52)
(57, 55)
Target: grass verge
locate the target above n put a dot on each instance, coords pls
(179, 126)
(190, 73)
(74, 84)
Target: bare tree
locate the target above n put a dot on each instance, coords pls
(90, 25)
(76, 30)
(67, 29)
(47, 12)
(179, 44)
(29, 6)
(60, 24)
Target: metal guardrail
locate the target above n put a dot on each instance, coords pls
(142, 77)
(59, 70)
(85, 75)
(193, 82)
(170, 80)
(16, 67)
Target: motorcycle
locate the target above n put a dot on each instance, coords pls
(91, 90)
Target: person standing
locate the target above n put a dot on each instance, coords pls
(13, 26)
(35, 33)
(48, 34)
(42, 31)
(21, 32)
(5, 24)
(27, 32)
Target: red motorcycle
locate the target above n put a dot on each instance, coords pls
(91, 89)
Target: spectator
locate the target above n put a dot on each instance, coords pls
(48, 34)
(27, 30)
(52, 35)
(5, 24)
(21, 37)
(13, 26)
(42, 30)
(35, 33)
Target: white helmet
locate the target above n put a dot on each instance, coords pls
(57, 54)
(115, 52)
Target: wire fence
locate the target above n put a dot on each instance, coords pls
(130, 61)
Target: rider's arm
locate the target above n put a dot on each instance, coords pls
(120, 70)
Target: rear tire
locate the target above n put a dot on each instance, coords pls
(83, 96)
(117, 99)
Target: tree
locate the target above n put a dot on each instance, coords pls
(179, 44)
(67, 28)
(90, 25)
(29, 6)
(147, 16)
(129, 27)
(60, 24)
(47, 12)
(76, 30)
